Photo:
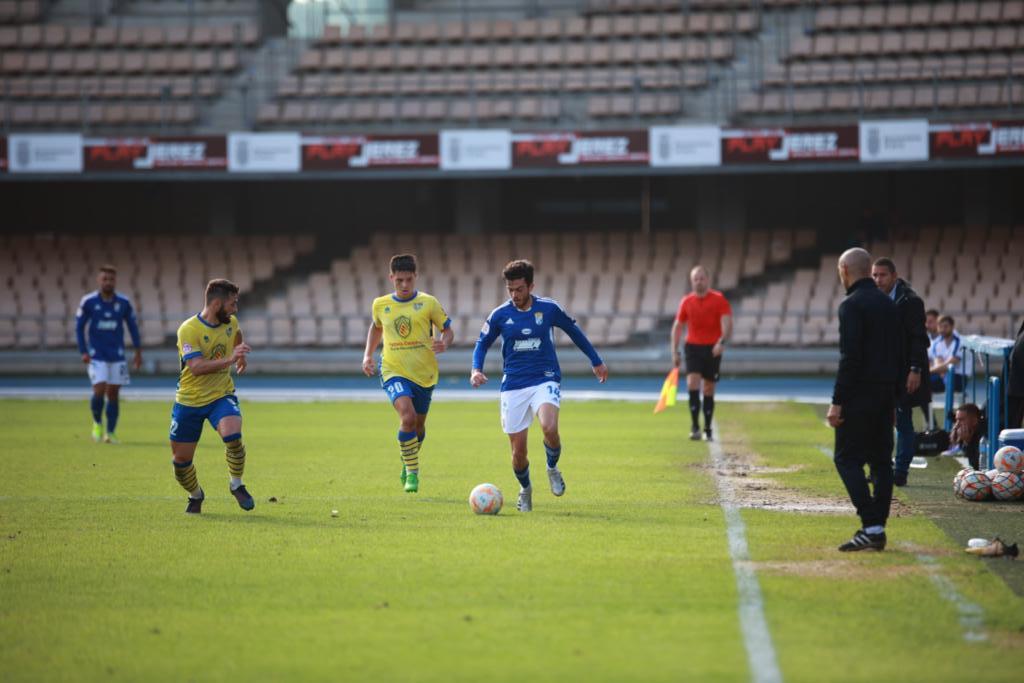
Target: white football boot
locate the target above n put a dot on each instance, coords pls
(557, 482)
(525, 503)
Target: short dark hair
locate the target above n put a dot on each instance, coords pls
(970, 409)
(403, 263)
(220, 289)
(107, 268)
(886, 262)
(520, 269)
(947, 319)
(932, 311)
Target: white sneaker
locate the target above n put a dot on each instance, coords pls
(557, 483)
(525, 503)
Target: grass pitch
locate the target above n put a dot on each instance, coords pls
(626, 578)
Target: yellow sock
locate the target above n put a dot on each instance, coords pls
(235, 454)
(410, 454)
(185, 473)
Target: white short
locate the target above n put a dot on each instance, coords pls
(102, 372)
(518, 406)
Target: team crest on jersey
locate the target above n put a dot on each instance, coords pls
(218, 352)
(387, 309)
(229, 331)
(403, 326)
(538, 318)
(205, 338)
(186, 348)
(417, 306)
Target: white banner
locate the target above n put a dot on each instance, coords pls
(264, 152)
(685, 146)
(894, 140)
(476, 150)
(57, 153)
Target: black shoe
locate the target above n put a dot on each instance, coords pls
(695, 435)
(864, 541)
(899, 478)
(707, 435)
(195, 505)
(245, 501)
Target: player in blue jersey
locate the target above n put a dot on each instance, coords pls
(99, 327)
(531, 381)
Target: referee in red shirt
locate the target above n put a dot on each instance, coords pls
(708, 319)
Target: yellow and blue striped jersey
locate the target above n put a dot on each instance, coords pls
(199, 338)
(409, 327)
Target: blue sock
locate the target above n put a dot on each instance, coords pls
(113, 410)
(523, 477)
(553, 455)
(405, 436)
(97, 408)
(422, 436)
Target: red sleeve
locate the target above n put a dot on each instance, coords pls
(725, 308)
(681, 313)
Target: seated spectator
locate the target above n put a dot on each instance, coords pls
(968, 429)
(945, 352)
(931, 324)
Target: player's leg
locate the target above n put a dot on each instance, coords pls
(226, 417)
(98, 379)
(904, 443)
(693, 388)
(516, 416)
(113, 411)
(186, 427)
(546, 403)
(408, 442)
(709, 377)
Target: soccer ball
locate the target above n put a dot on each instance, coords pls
(486, 499)
(991, 474)
(1008, 459)
(1007, 486)
(975, 486)
(959, 479)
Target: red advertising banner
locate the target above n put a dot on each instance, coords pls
(976, 140)
(359, 152)
(3, 153)
(185, 153)
(582, 148)
(770, 145)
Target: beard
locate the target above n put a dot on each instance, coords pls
(223, 317)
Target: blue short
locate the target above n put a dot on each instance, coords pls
(187, 422)
(400, 386)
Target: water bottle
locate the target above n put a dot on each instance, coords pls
(983, 459)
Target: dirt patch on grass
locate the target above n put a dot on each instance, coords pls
(744, 482)
(838, 569)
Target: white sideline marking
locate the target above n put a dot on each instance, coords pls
(764, 666)
(971, 616)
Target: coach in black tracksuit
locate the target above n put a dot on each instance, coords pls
(871, 350)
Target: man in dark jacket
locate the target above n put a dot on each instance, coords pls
(1015, 389)
(871, 366)
(913, 392)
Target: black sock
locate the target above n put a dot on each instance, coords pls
(695, 409)
(709, 411)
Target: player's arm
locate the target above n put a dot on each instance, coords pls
(373, 337)
(441, 321)
(719, 346)
(133, 330)
(851, 361)
(677, 334)
(81, 320)
(242, 363)
(579, 338)
(488, 333)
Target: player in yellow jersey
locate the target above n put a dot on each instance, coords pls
(407, 320)
(208, 345)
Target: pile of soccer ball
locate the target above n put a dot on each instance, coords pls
(1004, 482)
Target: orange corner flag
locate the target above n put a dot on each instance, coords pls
(668, 391)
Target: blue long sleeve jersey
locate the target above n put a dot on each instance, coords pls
(528, 342)
(105, 321)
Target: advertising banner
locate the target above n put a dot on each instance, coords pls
(476, 150)
(359, 152)
(882, 141)
(263, 153)
(57, 153)
(685, 146)
(585, 148)
(806, 143)
(184, 153)
(976, 140)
